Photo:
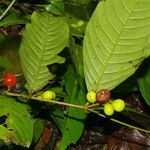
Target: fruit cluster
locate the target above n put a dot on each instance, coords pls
(104, 97)
(117, 105)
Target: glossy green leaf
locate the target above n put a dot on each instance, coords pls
(43, 39)
(144, 81)
(18, 126)
(13, 19)
(58, 116)
(114, 42)
(79, 9)
(55, 7)
(73, 123)
(38, 129)
(77, 56)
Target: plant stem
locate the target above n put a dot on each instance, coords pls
(93, 105)
(5, 12)
(119, 122)
(59, 103)
(49, 101)
(85, 107)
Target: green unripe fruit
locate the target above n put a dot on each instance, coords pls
(108, 109)
(91, 96)
(47, 95)
(118, 105)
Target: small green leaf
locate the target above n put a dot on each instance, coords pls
(84, 8)
(43, 39)
(74, 119)
(77, 56)
(58, 116)
(18, 125)
(38, 129)
(144, 81)
(13, 19)
(55, 7)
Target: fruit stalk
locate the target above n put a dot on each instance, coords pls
(78, 107)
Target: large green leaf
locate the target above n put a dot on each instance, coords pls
(43, 39)
(73, 123)
(114, 42)
(18, 126)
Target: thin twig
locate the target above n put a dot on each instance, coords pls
(43, 100)
(119, 122)
(85, 107)
(5, 12)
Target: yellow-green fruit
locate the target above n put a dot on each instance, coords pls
(118, 105)
(47, 95)
(108, 109)
(91, 96)
(80, 23)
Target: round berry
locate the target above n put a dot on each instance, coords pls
(91, 96)
(10, 80)
(80, 23)
(103, 96)
(108, 109)
(118, 105)
(47, 95)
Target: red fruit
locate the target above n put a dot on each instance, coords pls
(10, 80)
(103, 96)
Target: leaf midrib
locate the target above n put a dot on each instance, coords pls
(106, 64)
(40, 63)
